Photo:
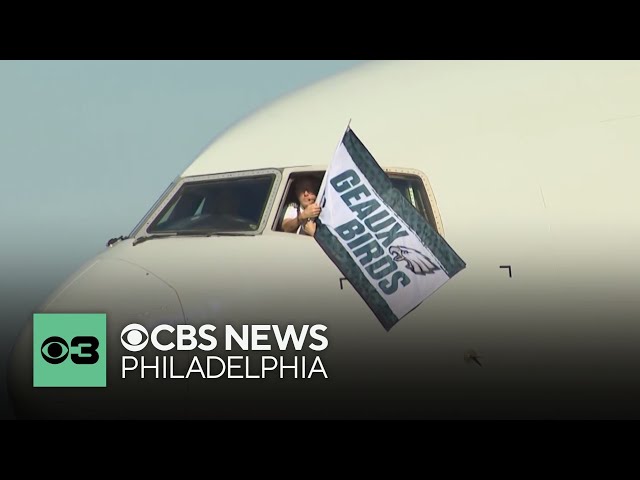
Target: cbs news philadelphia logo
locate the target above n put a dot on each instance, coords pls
(69, 350)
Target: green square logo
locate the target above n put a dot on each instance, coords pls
(69, 350)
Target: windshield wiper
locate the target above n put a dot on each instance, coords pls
(229, 234)
(190, 234)
(149, 237)
(116, 240)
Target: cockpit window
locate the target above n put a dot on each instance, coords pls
(413, 189)
(222, 205)
(412, 184)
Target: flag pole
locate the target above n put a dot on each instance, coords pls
(323, 185)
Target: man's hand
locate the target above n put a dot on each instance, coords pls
(312, 211)
(310, 228)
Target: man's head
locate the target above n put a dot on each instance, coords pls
(306, 189)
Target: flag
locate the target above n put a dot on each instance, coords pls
(385, 248)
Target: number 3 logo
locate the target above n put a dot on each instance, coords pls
(55, 350)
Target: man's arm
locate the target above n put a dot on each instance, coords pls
(291, 221)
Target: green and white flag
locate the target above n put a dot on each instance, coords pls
(385, 248)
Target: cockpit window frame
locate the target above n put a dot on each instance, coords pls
(433, 213)
(426, 192)
(153, 208)
(142, 229)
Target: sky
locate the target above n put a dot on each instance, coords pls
(86, 148)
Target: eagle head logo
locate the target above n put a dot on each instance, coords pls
(416, 261)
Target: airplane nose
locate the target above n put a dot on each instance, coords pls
(127, 294)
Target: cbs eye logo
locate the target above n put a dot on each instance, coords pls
(134, 337)
(55, 350)
(69, 350)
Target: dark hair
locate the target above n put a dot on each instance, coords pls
(309, 178)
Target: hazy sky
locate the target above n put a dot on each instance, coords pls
(86, 147)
